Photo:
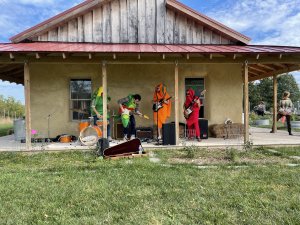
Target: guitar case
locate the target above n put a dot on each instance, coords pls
(131, 146)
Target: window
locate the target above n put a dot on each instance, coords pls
(80, 102)
(198, 85)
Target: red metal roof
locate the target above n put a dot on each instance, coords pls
(53, 47)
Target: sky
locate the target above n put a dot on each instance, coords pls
(267, 22)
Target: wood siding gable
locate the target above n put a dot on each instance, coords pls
(131, 21)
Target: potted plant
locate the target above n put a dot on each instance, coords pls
(295, 121)
(263, 120)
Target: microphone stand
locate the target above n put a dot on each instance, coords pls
(157, 140)
(48, 127)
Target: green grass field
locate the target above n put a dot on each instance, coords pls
(78, 188)
(4, 128)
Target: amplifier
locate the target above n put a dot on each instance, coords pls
(168, 132)
(203, 124)
(144, 132)
(118, 131)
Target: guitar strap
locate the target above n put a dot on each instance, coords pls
(192, 102)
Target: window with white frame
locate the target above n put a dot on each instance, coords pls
(198, 85)
(80, 98)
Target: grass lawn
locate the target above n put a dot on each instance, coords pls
(4, 128)
(78, 188)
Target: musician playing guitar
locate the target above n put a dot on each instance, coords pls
(128, 107)
(161, 107)
(97, 109)
(191, 109)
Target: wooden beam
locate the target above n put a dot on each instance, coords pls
(10, 68)
(254, 67)
(90, 55)
(114, 56)
(187, 56)
(254, 73)
(267, 67)
(280, 65)
(275, 87)
(27, 106)
(104, 85)
(16, 72)
(12, 79)
(257, 57)
(139, 56)
(153, 59)
(176, 88)
(246, 104)
(288, 69)
(164, 56)
(234, 56)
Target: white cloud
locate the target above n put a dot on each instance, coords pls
(275, 22)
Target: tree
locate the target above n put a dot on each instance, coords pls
(263, 90)
(288, 83)
(11, 106)
(254, 95)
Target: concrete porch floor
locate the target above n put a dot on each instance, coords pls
(258, 136)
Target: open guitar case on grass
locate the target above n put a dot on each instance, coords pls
(126, 148)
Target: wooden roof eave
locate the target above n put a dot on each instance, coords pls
(288, 69)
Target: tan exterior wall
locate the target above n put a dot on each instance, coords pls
(50, 91)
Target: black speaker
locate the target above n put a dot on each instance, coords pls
(168, 132)
(203, 124)
(103, 144)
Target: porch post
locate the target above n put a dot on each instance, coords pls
(246, 104)
(104, 84)
(27, 106)
(176, 104)
(274, 130)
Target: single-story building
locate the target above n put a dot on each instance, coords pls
(129, 46)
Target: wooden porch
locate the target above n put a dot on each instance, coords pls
(257, 137)
(256, 62)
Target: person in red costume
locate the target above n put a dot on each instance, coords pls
(191, 109)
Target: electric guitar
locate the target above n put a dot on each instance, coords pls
(188, 111)
(160, 104)
(127, 112)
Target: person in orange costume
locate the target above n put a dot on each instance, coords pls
(161, 107)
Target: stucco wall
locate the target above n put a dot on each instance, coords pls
(50, 91)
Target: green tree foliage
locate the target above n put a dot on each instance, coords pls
(263, 90)
(11, 107)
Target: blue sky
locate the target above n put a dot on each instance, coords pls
(273, 22)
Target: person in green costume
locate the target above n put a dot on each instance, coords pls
(128, 107)
(97, 109)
